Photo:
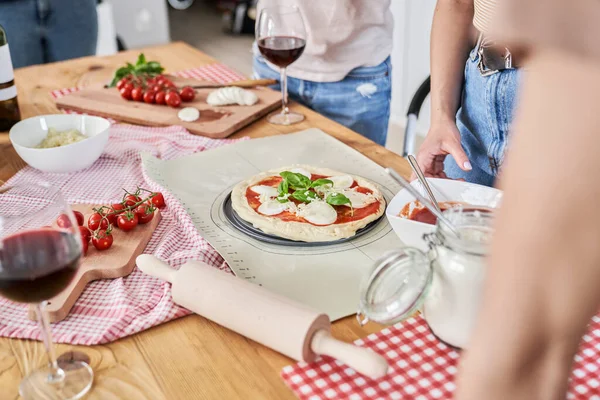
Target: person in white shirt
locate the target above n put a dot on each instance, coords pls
(345, 70)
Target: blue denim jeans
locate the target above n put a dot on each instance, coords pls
(41, 31)
(361, 101)
(484, 120)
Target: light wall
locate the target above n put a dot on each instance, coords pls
(410, 57)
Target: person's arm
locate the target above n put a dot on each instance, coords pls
(451, 40)
(543, 282)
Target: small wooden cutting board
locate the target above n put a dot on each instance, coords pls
(116, 262)
(214, 122)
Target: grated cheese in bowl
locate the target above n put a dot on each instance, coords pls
(61, 138)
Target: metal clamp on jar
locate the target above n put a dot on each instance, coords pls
(447, 280)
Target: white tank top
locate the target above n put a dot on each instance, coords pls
(484, 11)
(341, 35)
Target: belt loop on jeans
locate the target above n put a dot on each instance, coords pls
(499, 62)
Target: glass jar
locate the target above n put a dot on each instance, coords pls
(446, 281)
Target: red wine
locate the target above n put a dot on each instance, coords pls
(281, 50)
(37, 265)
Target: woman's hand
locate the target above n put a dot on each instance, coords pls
(442, 139)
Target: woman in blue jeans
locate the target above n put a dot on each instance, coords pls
(345, 70)
(471, 105)
(42, 31)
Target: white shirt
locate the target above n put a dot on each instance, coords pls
(341, 35)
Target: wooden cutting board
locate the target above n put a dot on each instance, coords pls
(116, 262)
(214, 122)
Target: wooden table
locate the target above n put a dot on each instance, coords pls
(189, 358)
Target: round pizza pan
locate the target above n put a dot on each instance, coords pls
(255, 233)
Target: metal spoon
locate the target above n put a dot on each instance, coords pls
(417, 170)
(410, 188)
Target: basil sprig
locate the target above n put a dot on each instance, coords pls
(141, 67)
(338, 199)
(321, 182)
(296, 181)
(305, 196)
(283, 190)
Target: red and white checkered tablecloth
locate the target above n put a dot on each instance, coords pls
(422, 368)
(113, 308)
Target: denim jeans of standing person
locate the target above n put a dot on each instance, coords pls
(484, 120)
(42, 31)
(361, 101)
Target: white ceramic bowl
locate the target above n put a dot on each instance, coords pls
(411, 232)
(27, 134)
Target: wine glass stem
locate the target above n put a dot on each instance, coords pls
(56, 373)
(284, 91)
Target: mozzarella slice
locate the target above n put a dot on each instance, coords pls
(266, 190)
(272, 207)
(301, 171)
(359, 200)
(341, 181)
(188, 114)
(318, 213)
(231, 95)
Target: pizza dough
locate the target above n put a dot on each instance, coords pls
(255, 201)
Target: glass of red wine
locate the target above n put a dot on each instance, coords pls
(38, 259)
(281, 39)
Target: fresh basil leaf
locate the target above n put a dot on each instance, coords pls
(304, 195)
(296, 181)
(154, 67)
(283, 187)
(130, 66)
(282, 199)
(338, 199)
(119, 74)
(321, 182)
(141, 60)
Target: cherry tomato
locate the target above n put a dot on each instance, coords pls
(158, 200)
(80, 218)
(149, 96)
(102, 240)
(156, 88)
(160, 97)
(168, 83)
(137, 94)
(129, 86)
(63, 221)
(85, 234)
(125, 92)
(187, 94)
(160, 80)
(127, 221)
(112, 215)
(96, 221)
(173, 99)
(85, 246)
(122, 82)
(131, 200)
(144, 213)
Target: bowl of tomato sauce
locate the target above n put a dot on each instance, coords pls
(411, 220)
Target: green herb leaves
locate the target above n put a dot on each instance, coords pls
(321, 182)
(305, 196)
(141, 67)
(283, 190)
(296, 181)
(338, 199)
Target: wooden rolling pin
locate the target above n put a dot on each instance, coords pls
(256, 313)
(248, 83)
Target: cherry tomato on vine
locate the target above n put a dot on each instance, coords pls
(158, 200)
(187, 93)
(137, 94)
(63, 221)
(85, 234)
(122, 82)
(160, 97)
(127, 221)
(102, 240)
(80, 218)
(112, 215)
(96, 221)
(129, 85)
(131, 200)
(125, 93)
(144, 213)
(173, 99)
(149, 96)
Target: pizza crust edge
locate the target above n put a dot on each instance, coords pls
(302, 231)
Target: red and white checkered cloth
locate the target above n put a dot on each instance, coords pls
(113, 308)
(219, 73)
(422, 368)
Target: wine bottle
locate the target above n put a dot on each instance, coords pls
(9, 107)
